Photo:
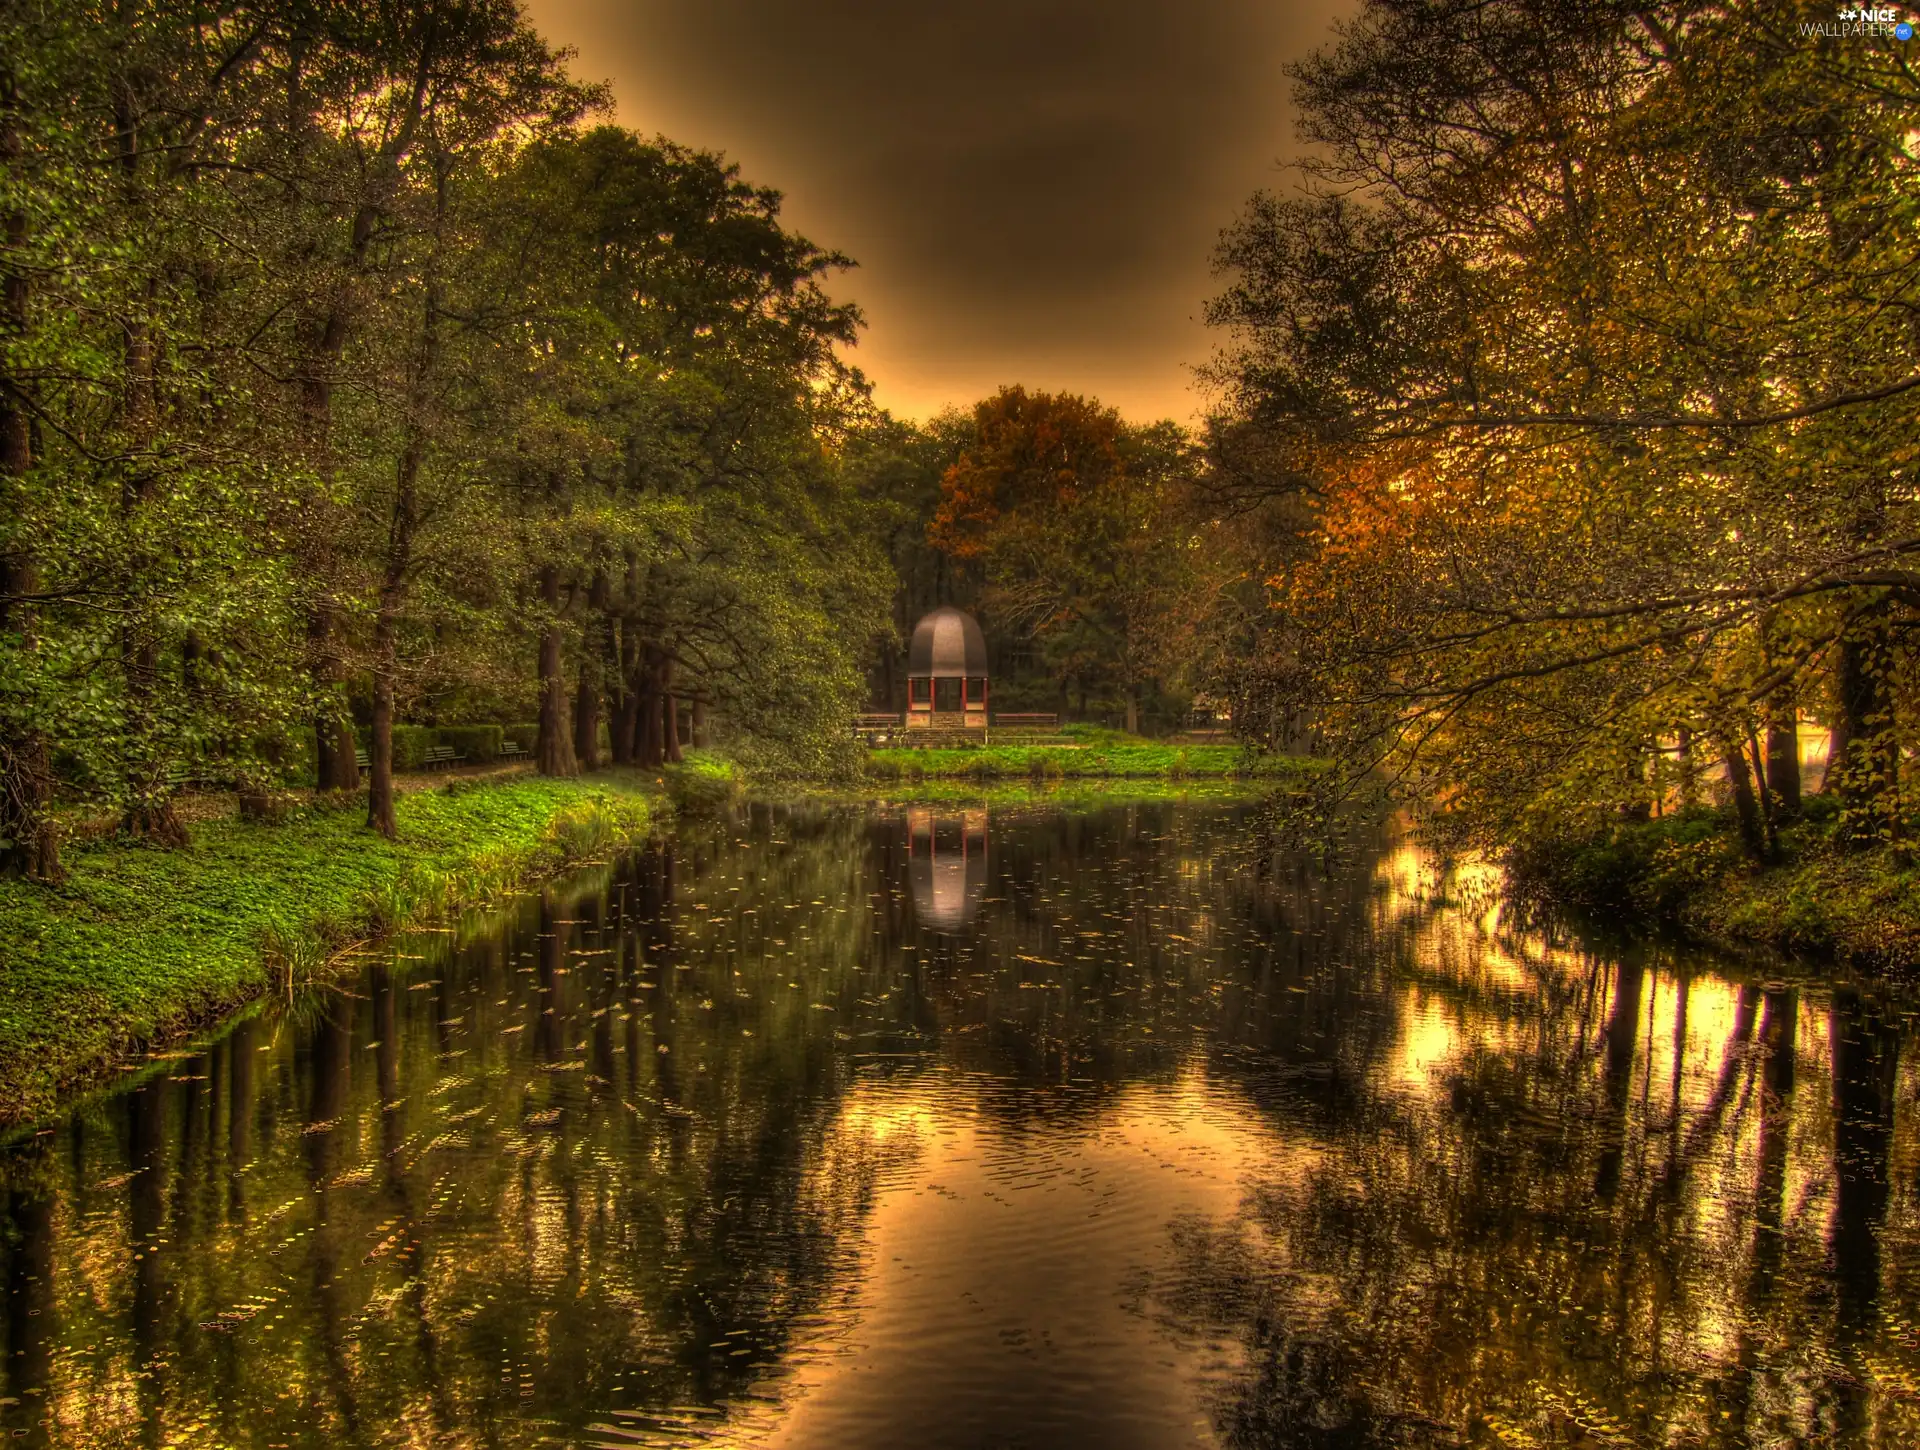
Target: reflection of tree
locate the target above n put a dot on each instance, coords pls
(32, 1330)
(483, 1229)
(1544, 1247)
(599, 1155)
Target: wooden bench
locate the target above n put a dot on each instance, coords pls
(436, 755)
(877, 729)
(510, 747)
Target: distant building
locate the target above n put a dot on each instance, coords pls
(947, 672)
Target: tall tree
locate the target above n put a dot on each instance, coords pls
(1076, 519)
(1578, 367)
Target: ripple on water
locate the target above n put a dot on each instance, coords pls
(868, 1127)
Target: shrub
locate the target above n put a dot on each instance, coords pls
(300, 762)
(591, 829)
(293, 958)
(410, 746)
(1658, 867)
(704, 782)
(479, 743)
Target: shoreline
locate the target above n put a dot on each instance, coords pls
(142, 947)
(1826, 907)
(1095, 755)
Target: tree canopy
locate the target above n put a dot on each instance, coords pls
(351, 373)
(1585, 367)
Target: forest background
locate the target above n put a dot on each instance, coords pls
(355, 375)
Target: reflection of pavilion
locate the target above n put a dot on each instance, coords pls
(947, 864)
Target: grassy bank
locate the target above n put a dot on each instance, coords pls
(1821, 899)
(1075, 795)
(140, 944)
(1094, 754)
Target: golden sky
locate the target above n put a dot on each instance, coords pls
(1032, 188)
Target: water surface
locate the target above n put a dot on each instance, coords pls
(1119, 1127)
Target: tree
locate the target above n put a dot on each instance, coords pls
(1595, 408)
(1075, 518)
(677, 463)
(340, 361)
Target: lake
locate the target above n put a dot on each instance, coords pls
(888, 1125)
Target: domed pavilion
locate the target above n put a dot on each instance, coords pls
(947, 672)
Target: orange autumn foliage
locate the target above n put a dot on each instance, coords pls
(1033, 455)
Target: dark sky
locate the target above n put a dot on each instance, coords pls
(1032, 188)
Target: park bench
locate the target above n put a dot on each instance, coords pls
(876, 728)
(442, 755)
(510, 747)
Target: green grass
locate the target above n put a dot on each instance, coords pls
(1095, 753)
(1077, 794)
(703, 782)
(140, 944)
(1820, 900)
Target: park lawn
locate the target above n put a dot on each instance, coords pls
(1080, 793)
(140, 943)
(1107, 754)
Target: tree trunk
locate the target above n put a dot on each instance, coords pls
(1638, 806)
(380, 746)
(1783, 753)
(586, 712)
(1861, 767)
(149, 812)
(651, 744)
(669, 714)
(699, 724)
(626, 705)
(1133, 711)
(402, 524)
(613, 686)
(1684, 764)
(553, 754)
(29, 840)
(336, 767)
(1769, 819)
(1746, 807)
(593, 652)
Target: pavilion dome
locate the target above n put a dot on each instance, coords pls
(947, 642)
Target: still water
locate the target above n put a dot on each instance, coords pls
(863, 1127)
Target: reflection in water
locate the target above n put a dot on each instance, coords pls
(830, 1128)
(949, 866)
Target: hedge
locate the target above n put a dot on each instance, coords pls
(480, 744)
